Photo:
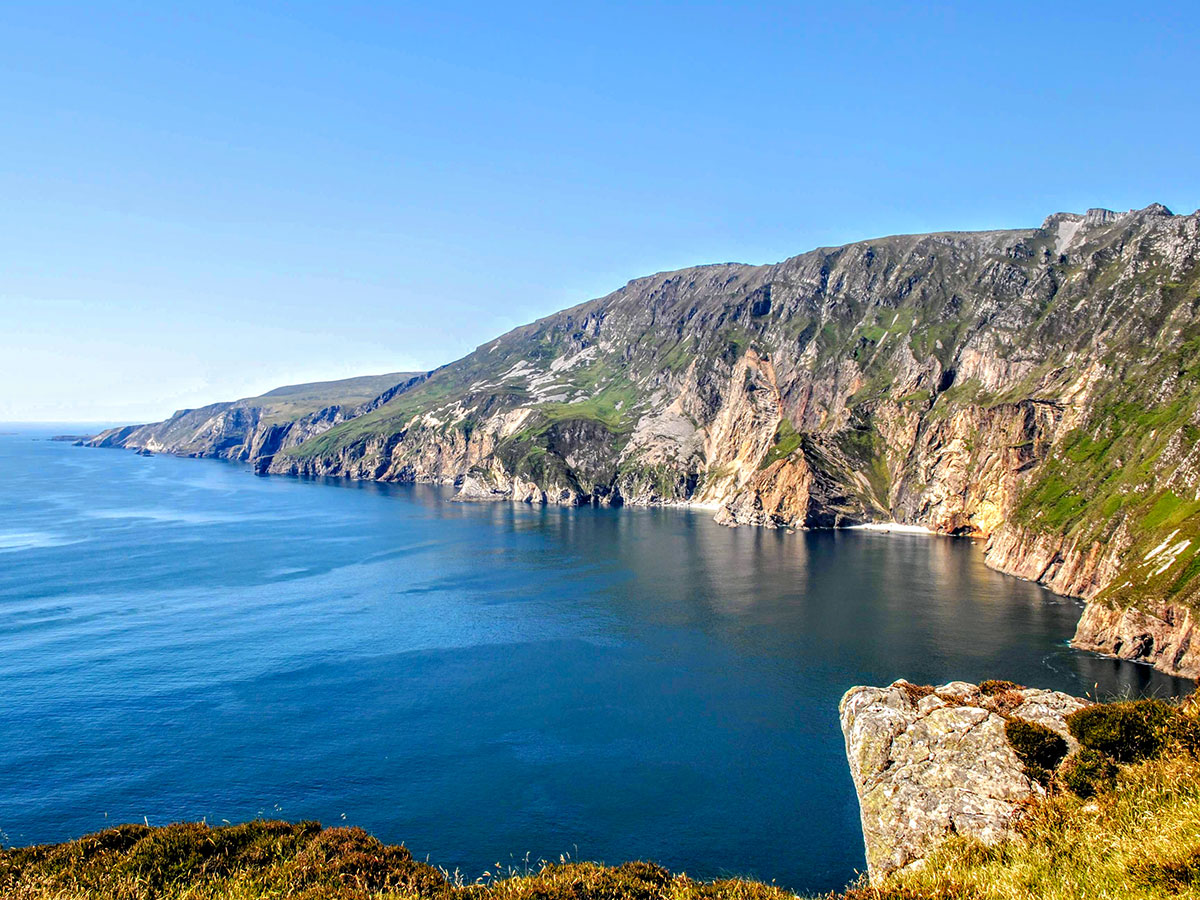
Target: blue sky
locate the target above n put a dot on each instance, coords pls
(203, 201)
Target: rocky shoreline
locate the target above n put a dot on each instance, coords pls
(1161, 637)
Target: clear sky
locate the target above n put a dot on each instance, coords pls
(201, 201)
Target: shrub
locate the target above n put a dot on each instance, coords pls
(1185, 729)
(1038, 747)
(1088, 773)
(1005, 702)
(168, 854)
(1126, 731)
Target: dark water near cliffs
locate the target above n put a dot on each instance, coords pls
(180, 639)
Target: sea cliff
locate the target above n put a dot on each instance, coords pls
(1038, 389)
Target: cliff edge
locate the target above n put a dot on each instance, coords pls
(929, 763)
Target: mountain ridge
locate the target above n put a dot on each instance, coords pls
(1036, 388)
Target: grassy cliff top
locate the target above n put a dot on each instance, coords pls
(295, 400)
(1134, 832)
(265, 859)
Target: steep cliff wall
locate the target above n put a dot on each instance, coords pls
(255, 429)
(1038, 387)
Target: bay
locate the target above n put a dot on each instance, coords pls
(180, 639)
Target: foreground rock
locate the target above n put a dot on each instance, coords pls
(931, 762)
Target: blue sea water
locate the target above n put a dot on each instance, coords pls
(180, 639)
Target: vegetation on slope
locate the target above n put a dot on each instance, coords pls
(1122, 819)
(883, 356)
(1124, 474)
(259, 860)
(295, 400)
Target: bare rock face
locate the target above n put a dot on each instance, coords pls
(931, 762)
(1164, 635)
(1063, 565)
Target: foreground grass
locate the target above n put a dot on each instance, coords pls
(1140, 840)
(1137, 838)
(259, 860)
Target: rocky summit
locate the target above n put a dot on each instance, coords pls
(932, 762)
(1036, 388)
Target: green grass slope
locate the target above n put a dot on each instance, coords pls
(295, 400)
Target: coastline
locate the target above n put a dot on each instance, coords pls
(1084, 641)
(889, 527)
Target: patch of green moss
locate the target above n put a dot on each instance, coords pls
(872, 333)
(678, 357)
(787, 442)
(864, 448)
(1188, 574)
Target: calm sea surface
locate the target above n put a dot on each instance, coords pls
(182, 640)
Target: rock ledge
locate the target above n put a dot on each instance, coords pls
(931, 762)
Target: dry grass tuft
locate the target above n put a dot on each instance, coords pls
(1004, 702)
(995, 686)
(915, 692)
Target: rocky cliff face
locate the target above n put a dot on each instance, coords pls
(1162, 634)
(928, 763)
(255, 429)
(1039, 388)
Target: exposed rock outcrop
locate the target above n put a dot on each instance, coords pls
(1066, 566)
(928, 763)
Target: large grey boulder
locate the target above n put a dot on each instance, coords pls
(931, 762)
